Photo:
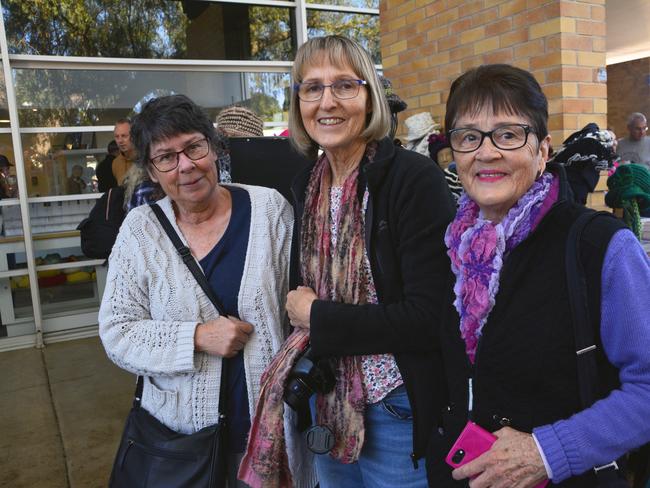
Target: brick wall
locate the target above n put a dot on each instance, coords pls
(629, 91)
(426, 44)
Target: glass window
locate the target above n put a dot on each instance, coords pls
(150, 29)
(363, 28)
(349, 3)
(47, 98)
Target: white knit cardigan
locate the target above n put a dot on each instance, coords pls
(152, 305)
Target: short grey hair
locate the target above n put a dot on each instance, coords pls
(635, 116)
(338, 51)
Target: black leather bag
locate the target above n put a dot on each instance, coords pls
(154, 456)
(150, 454)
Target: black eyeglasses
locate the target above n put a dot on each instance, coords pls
(169, 161)
(342, 89)
(507, 137)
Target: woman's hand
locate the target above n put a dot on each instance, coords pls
(513, 461)
(299, 306)
(225, 336)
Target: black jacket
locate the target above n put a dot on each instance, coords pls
(525, 371)
(408, 211)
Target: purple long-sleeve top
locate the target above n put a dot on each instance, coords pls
(621, 421)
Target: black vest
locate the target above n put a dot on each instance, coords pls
(525, 372)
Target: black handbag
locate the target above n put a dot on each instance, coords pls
(152, 455)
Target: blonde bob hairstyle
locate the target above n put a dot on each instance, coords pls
(341, 52)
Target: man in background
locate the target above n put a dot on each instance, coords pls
(635, 148)
(124, 160)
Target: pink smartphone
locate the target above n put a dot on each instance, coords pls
(473, 441)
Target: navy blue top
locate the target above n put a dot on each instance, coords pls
(223, 267)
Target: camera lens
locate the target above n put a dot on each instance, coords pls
(458, 456)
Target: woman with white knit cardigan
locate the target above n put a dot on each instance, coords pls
(155, 321)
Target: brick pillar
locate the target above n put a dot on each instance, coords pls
(426, 44)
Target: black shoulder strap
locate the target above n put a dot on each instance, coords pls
(586, 344)
(582, 329)
(189, 261)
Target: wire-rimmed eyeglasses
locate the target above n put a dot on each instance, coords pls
(341, 89)
(169, 161)
(507, 137)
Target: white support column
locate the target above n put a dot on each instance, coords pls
(22, 182)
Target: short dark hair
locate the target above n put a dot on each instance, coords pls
(165, 117)
(502, 88)
(123, 120)
(112, 147)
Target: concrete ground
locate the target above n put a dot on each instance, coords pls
(62, 410)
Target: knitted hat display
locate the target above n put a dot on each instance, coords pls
(436, 143)
(629, 189)
(584, 154)
(590, 145)
(395, 103)
(238, 121)
(420, 125)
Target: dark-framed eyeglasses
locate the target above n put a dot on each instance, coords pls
(341, 89)
(507, 137)
(169, 161)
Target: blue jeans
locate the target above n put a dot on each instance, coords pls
(385, 460)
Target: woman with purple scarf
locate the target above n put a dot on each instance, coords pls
(367, 271)
(508, 344)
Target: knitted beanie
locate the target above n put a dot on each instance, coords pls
(238, 121)
(436, 143)
(395, 103)
(629, 189)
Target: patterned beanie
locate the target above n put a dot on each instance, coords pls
(629, 189)
(238, 121)
(395, 103)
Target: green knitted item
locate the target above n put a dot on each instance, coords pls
(629, 189)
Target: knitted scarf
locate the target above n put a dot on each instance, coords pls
(477, 248)
(335, 274)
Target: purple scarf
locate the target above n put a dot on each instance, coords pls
(477, 248)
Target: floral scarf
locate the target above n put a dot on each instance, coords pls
(477, 248)
(335, 273)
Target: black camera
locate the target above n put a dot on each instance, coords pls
(308, 376)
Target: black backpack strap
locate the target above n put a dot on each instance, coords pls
(585, 340)
(189, 260)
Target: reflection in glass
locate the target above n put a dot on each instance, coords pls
(4, 109)
(83, 97)
(363, 28)
(62, 164)
(150, 29)
(349, 3)
(16, 312)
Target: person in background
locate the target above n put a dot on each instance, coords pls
(155, 320)
(104, 171)
(7, 187)
(366, 276)
(440, 152)
(124, 160)
(507, 335)
(239, 121)
(635, 148)
(75, 183)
